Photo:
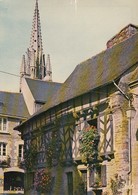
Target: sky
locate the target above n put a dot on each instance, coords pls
(72, 32)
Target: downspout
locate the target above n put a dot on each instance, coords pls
(130, 158)
(129, 192)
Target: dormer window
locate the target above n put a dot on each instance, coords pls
(3, 124)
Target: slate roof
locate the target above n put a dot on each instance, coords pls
(42, 90)
(13, 105)
(97, 71)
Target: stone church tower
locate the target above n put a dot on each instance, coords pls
(33, 63)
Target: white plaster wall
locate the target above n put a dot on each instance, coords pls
(29, 100)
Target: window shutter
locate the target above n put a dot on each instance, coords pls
(70, 183)
(103, 175)
(0, 124)
(91, 177)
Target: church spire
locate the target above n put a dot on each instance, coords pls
(35, 59)
(36, 37)
(33, 63)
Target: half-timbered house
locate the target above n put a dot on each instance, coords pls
(100, 95)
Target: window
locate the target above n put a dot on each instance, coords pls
(70, 183)
(20, 151)
(84, 179)
(97, 176)
(38, 106)
(3, 124)
(3, 149)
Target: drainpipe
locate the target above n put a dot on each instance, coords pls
(130, 115)
(129, 192)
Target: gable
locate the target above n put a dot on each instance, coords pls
(42, 90)
(13, 104)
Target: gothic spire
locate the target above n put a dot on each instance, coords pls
(36, 37)
(35, 59)
(33, 63)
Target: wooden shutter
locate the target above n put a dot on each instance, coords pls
(70, 183)
(91, 177)
(103, 175)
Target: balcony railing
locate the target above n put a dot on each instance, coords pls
(21, 163)
(13, 192)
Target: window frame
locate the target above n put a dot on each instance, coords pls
(21, 151)
(3, 125)
(3, 149)
(70, 182)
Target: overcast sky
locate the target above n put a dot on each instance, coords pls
(72, 31)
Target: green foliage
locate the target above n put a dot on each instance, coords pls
(53, 149)
(43, 180)
(30, 157)
(80, 188)
(89, 144)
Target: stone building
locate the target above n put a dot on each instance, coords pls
(11, 145)
(36, 87)
(100, 98)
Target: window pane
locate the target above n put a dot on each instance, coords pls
(4, 124)
(0, 149)
(4, 149)
(70, 183)
(0, 124)
(20, 151)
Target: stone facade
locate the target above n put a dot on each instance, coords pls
(11, 157)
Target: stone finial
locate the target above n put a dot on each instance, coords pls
(48, 76)
(23, 66)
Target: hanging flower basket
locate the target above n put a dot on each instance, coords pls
(43, 181)
(89, 140)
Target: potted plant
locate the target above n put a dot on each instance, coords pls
(43, 180)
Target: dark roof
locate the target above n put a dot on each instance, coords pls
(42, 90)
(97, 71)
(13, 105)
